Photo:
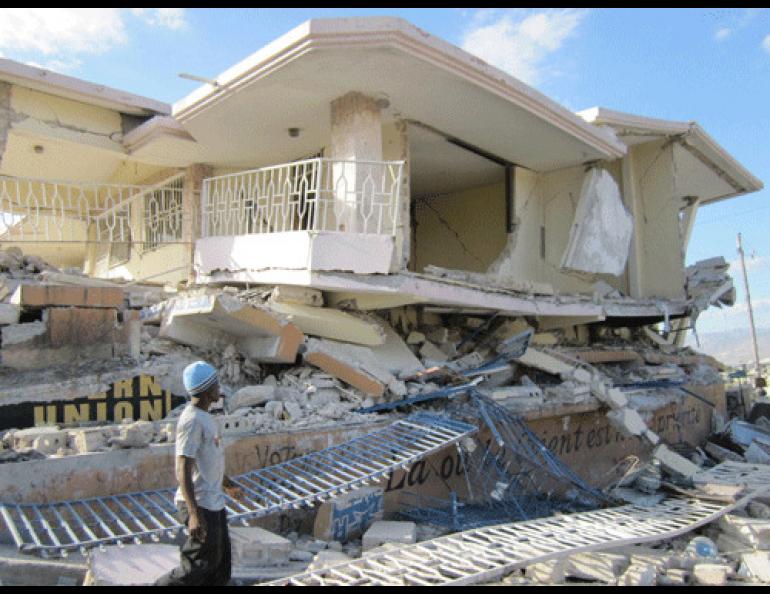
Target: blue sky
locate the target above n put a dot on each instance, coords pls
(708, 65)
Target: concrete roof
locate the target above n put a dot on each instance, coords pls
(47, 81)
(634, 129)
(290, 82)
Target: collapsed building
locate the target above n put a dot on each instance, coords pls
(357, 221)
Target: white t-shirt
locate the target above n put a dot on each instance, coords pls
(197, 436)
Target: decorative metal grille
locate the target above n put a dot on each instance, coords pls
(54, 211)
(309, 195)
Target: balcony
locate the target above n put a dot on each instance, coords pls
(311, 215)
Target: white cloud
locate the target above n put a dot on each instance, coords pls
(170, 18)
(766, 43)
(520, 42)
(56, 37)
(753, 263)
(723, 33)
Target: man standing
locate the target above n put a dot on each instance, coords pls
(200, 470)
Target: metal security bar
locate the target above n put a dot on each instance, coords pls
(309, 195)
(57, 528)
(486, 554)
(58, 211)
(753, 477)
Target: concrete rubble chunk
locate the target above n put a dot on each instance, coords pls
(46, 440)
(757, 509)
(37, 295)
(389, 532)
(547, 572)
(600, 567)
(395, 356)
(752, 532)
(721, 454)
(130, 565)
(415, 337)
(756, 566)
(674, 577)
(348, 516)
(208, 320)
(639, 574)
(350, 363)
(138, 434)
(250, 396)
(89, 439)
(539, 360)
(430, 352)
(674, 463)
(297, 295)
(711, 574)
(331, 323)
(324, 559)
(256, 547)
(9, 314)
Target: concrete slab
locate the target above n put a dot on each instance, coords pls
(385, 532)
(256, 547)
(130, 565)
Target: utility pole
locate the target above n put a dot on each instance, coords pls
(751, 312)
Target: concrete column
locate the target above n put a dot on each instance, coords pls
(356, 135)
(396, 148)
(191, 208)
(635, 265)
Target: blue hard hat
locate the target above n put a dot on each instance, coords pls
(199, 377)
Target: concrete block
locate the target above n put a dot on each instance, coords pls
(9, 313)
(138, 434)
(389, 532)
(438, 335)
(352, 364)
(88, 439)
(674, 463)
(234, 424)
(415, 337)
(36, 295)
(332, 323)
(627, 420)
(348, 516)
(547, 363)
(548, 572)
(45, 439)
(711, 574)
(600, 567)
(297, 295)
(274, 408)
(130, 565)
(257, 547)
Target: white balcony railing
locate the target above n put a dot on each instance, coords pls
(310, 195)
(51, 211)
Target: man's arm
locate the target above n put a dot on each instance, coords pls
(196, 524)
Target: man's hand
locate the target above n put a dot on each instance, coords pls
(233, 490)
(197, 526)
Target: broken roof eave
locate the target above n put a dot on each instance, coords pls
(693, 137)
(47, 81)
(394, 33)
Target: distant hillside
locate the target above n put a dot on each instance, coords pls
(733, 347)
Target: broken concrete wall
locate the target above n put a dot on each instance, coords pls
(129, 470)
(545, 208)
(601, 231)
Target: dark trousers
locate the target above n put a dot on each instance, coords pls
(205, 563)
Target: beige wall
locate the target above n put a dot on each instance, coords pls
(464, 230)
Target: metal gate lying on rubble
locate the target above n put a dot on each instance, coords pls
(486, 554)
(56, 528)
